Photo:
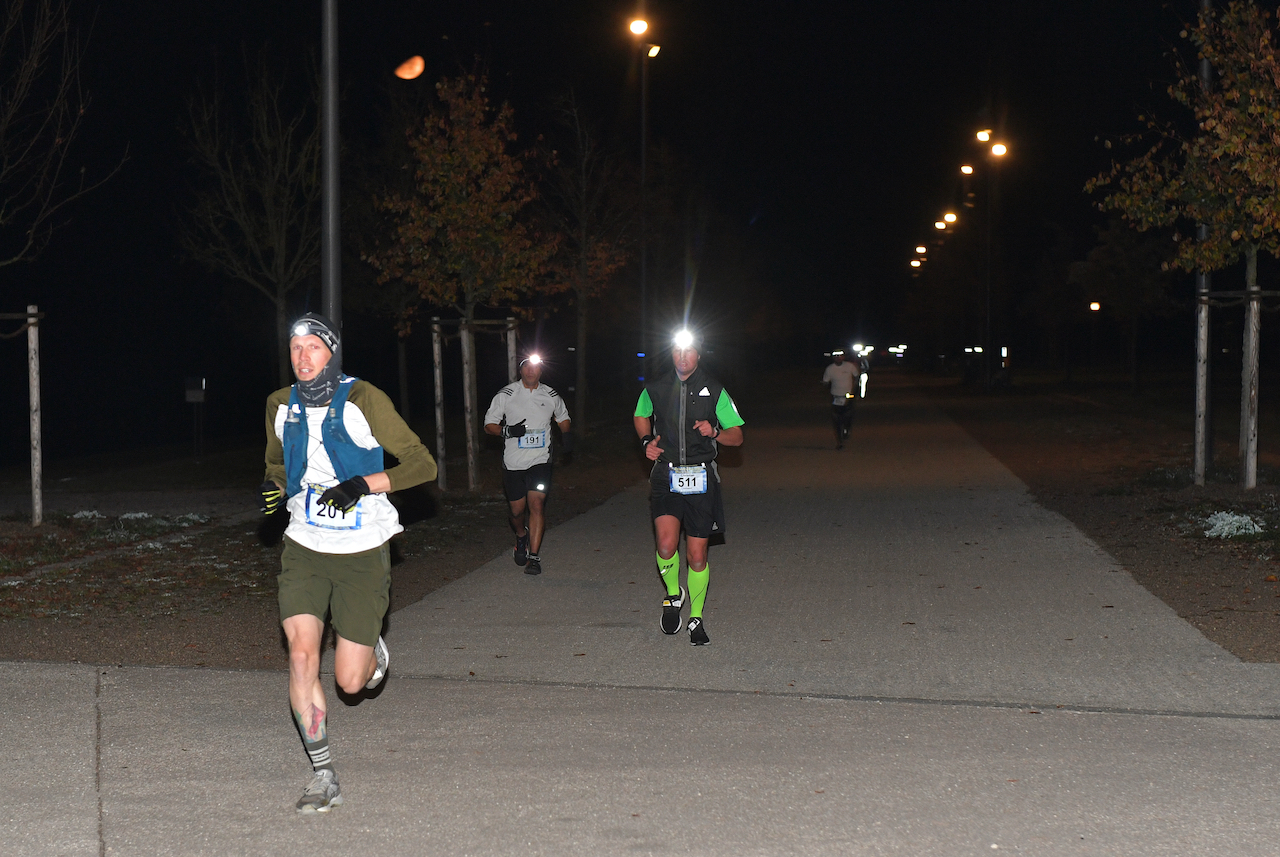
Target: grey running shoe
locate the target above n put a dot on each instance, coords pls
(521, 553)
(671, 605)
(321, 794)
(535, 564)
(698, 632)
(380, 672)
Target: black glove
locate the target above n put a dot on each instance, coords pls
(345, 495)
(516, 430)
(271, 497)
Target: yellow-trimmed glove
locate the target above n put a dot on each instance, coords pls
(345, 495)
(271, 496)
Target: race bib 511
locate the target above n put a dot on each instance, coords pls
(689, 479)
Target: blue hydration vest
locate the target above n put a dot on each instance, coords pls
(348, 459)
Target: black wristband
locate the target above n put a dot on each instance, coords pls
(717, 434)
(645, 441)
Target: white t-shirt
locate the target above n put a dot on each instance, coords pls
(538, 408)
(371, 523)
(843, 378)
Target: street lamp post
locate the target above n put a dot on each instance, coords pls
(639, 27)
(330, 245)
(998, 151)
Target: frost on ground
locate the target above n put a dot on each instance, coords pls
(1227, 525)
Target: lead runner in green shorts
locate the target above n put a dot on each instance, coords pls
(326, 436)
(681, 419)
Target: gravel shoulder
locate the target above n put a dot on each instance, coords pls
(181, 570)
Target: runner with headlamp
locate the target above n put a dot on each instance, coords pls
(521, 413)
(680, 418)
(325, 440)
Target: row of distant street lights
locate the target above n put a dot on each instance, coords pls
(949, 218)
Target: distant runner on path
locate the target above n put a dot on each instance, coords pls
(325, 439)
(842, 377)
(680, 418)
(522, 413)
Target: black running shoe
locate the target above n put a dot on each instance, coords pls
(698, 632)
(535, 564)
(521, 553)
(671, 605)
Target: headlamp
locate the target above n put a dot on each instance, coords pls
(684, 339)
(314, 324)
(532, 359)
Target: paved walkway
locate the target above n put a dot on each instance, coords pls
(908, 657)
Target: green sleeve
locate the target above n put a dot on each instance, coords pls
(394, 436)
(727, 412)
(644, 407)
(275, 449)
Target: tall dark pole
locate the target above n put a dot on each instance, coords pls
(330, 246)
(644, 207)
(1203, 453)
(986, 334)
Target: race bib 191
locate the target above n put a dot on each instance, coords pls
(329, 517)
(532, 439)
(689, 479)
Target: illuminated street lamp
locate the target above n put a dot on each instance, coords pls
(949, 217)
(984, 135)
(999, 150)
(916, 263)
(967, 170)
(1095, 306)
(639, 27)
(938, 224)
(921, 249)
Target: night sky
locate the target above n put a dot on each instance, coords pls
(828, 133)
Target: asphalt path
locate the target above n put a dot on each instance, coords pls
(908, 656)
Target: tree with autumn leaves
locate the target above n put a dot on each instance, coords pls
(463, 235)
(1224, 177)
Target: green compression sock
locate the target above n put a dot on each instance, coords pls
(670, 571)
(698, 583)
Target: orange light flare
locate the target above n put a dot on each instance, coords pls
(411, 68)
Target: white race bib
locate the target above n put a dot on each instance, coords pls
(688, 479)
(329, 517)
(532, 439)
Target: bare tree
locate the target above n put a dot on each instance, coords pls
(257, 217)
(41, 107)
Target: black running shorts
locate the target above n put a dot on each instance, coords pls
(517, 483)
(701, 515)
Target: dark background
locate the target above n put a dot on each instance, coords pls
(828, 133)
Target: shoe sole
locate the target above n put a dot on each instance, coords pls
(316, 810)
(679, 619)
(378, 679)
(533, 569)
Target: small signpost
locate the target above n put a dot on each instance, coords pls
(31, 319)
(195, 395)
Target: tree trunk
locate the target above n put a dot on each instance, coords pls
(437, 354)
(402, 364)
(1249, 379)
(282, 341)
(1133, 356)
(580, 386)
(469, 401)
